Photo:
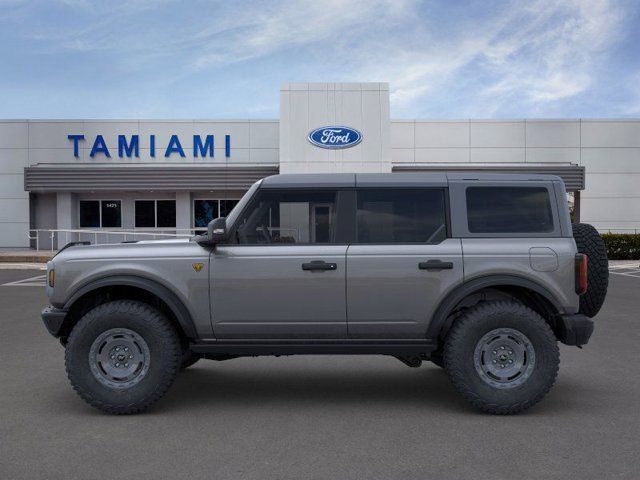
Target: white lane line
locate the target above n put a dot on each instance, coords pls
(38, 281)
(632, 266)
(635, 274)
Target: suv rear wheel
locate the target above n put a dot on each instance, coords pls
(122, 356)
(502, 357)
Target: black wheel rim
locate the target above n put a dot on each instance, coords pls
(504, 358)
(119, 358)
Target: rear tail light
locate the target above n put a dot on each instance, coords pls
(581, 273)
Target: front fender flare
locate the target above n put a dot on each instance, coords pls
(174, 303)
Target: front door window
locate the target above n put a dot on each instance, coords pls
(291, 216)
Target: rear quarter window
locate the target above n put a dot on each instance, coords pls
(509, 210)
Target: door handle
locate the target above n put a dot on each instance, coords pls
(435, 265)
(319, 265)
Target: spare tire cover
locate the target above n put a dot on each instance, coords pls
(589, 242)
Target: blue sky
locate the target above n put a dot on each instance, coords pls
(206, 59)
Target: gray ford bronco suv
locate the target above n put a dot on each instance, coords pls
(482, 274)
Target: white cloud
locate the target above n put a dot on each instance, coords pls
(535, 54)
(542, 53)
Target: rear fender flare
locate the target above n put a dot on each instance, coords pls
(439, 319)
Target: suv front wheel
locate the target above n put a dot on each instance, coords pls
(502, 357)
(122, 356)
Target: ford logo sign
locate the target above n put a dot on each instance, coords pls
(335, 137)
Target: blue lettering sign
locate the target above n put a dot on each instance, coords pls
(128, 149)
(203, 149)
(335, 137)
(152, 146)
(99, 146)
(75, 139)
(174, 147)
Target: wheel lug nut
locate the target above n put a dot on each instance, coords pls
(126, 364)
(113, 356)
(494, 352)
(117, 364)
(510, 361)
(130, 356)
(126, 349)
(501, 365)
(117, 349)
(495, 361)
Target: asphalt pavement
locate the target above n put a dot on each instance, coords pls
(318, 417)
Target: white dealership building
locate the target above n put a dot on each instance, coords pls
(59, 177)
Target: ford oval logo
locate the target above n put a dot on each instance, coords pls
(335, 137)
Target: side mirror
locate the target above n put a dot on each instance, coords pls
(216, 232)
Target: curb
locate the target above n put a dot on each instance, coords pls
(25, 258)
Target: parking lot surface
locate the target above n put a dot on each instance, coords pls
(318, 417)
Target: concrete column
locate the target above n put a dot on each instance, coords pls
(66, 216)
(183, 211)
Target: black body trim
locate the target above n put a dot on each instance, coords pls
(574, 329)
(167, 296)
(316, 347)
(69, 245)
(53, 319)
(438, 322)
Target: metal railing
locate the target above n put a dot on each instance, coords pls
(634, 231)
(52, 239)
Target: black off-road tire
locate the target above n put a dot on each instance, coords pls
(437, 359)
(469, 331)
(162, 347)
(589, 242)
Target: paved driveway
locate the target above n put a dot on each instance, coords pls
(319, 417)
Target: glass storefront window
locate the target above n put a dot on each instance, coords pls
(100, 214)
(166, 214)
(206, 210)
(226, 206)
(155, 213)
(90, 214)
(145, 214)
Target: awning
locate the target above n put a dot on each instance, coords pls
(573, 175)
(40, 178)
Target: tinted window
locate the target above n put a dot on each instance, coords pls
(89, 214)
(145, 213)
(166, 213)
(509, 210)
(204, 211)
(291, 216)
(111, 214)
(401, 216)
(226, 206)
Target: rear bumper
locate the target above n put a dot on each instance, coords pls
(574, 329)
(53, 319)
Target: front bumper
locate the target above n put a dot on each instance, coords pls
(574, 329)
(53, 319)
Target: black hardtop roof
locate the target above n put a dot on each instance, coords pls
(405, 179)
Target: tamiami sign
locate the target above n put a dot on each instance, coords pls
(130, 146)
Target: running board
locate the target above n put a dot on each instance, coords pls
(315, 347)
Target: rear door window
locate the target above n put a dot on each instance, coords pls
(509, 210)
(390, 215)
